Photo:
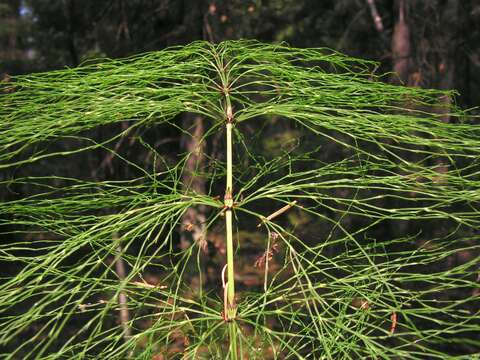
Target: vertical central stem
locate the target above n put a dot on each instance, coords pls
(230, 307)
(228, 218)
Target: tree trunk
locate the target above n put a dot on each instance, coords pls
(447, 45)
(10, 25)
(69, 13)
(401, 56)
(193, 221)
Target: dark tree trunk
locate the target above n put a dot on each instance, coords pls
(446, 43)
(69, 12)
(193, 222)
(10, 48)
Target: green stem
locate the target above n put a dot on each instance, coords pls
(232, 331)
(230, 307)
(229, 220)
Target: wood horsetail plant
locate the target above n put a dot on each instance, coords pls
(351, 210)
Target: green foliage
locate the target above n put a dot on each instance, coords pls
(378, 257)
